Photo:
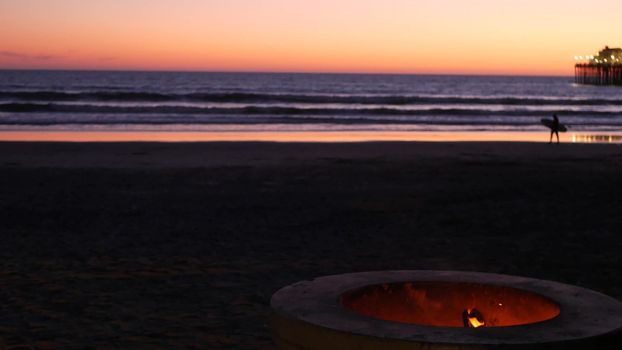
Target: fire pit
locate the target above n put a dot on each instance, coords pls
(442, 309)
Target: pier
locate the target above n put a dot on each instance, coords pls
(598, 74)
(605, 68)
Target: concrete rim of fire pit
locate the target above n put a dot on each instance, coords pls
(584, 313)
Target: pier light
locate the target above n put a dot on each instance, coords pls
(613, 57)
(576, 58)
(580, 57)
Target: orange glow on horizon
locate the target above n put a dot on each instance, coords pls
(396, 36)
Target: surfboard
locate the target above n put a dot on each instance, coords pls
(549, 124)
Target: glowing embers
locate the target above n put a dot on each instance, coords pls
(450, 304)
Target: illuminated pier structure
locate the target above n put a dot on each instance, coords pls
(602, 69)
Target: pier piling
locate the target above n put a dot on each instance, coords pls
(598, 74)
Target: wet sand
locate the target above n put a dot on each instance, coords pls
(180, 245)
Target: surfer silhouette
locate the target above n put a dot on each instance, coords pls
(554, 129)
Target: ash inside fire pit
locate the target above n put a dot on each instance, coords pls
(447, 304)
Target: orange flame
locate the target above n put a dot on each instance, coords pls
(475, 318)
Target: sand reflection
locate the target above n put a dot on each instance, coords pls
(300, 136)
(292, 136)
(597, 138)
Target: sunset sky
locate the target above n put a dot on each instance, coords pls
(394, 36)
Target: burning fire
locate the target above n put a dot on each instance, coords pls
(472, 318)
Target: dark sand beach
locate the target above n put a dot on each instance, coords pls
(181, 245)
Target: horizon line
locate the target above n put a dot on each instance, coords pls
(273, 72)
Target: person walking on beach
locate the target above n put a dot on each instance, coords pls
(554, 129)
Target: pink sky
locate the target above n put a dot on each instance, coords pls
(393, 36)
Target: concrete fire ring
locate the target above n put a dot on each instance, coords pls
(309, 315)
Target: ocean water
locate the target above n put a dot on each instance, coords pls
(169, 101)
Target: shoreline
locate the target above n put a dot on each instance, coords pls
(306, 136)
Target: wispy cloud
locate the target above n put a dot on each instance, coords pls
(13, 54)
